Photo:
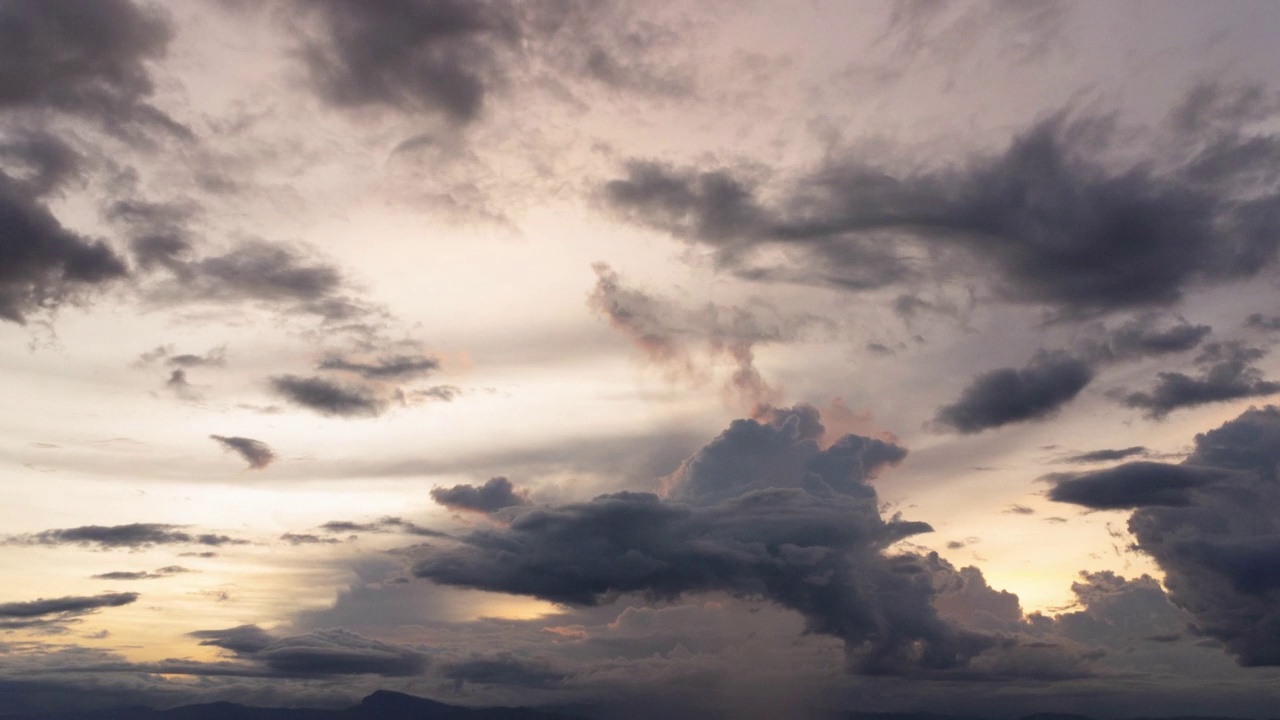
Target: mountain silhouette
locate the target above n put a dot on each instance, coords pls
(381, 705)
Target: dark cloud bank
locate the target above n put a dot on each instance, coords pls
(1212, 523)
(765, 510)
(1052, 216)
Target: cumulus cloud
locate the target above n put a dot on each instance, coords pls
(1054, 218)
(1009, 395)
(1217, 541)
(764, 511)
(1226, 373)
(255, 452)
(135, 535)
(327, 397)
(495, 494)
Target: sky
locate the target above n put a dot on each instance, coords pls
(680, 359)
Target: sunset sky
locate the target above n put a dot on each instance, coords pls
(664, 359)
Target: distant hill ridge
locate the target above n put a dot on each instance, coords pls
(381, 705)
(387, 705)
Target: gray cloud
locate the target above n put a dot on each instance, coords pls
(396, 367)
(52, 615)
(242, 639)
(142, 575)
(43, 265)
(762, 510)
(180, 386)
(86, 58)
(135, 535)
(307, 539)
(439, 56)
(1226, 373)
(1055, 219)
(438, 393)
(504, 670)
(1142, 337)
(1132, 485)
(255, 452)
(670, 335)
(216, 357)
(74, 604)
(321, 653)
(1258, 321)
(1106, 455)
(386, 524)
(327, 397)
(495, 494)
(1009, 395)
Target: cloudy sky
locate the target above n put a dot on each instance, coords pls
(705, 359)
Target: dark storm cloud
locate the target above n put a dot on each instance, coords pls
(322, 653)
(1226, 373)
(1212, 524)
(396, 367)
(439, 55)
(255, 452)
(136, 535)
(43, 264)
(327, 397)
(670, 335)
(763, 511)
(65, 605)
(86, 58)
(1057, 221)
(142, 575)
(1107, 455)
(1132, 485)
(495, 494)
(1010, 395)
